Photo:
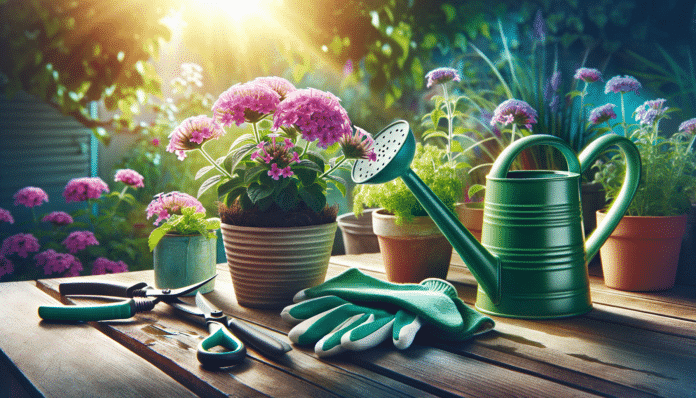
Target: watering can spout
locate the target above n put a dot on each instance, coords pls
(483, 265)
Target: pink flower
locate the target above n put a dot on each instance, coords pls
(192, 133)
(275, 172)
(248, 102)
(588, 75)
(358, 145)
(6, 216)
(688, 126)
(164, 205)
(516, 112)
(647, 113)
(6, 266)
(58, 218)
(54, 262)
(102, 266)
(277, 84)
(442, 76)
(602, 114)
(20, 244)
(155, 142)
(30, 197)
(318, 115)
(129, 177)
(79, 240)
(618, 84)
(81, 189)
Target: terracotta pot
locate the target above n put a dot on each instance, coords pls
(270, 265)
(413, 251)
(357, 233)
(471, 216)
(686, 271)
(642, 253)
(182, 260)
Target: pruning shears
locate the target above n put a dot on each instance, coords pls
(229, 333)
(141, 297)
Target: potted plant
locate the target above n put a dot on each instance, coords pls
(643, 251)
(277, 228)
(184, 245)
(412, 246)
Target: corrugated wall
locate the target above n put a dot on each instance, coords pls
(40, 147)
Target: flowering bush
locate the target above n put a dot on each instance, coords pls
(275, 168)
(667, 182)
(182, 214)
(62, 244)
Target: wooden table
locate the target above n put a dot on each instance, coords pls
(629, 345)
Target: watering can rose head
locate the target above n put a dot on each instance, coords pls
(179, 213)
(279, 166)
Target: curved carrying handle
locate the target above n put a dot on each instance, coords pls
(625, 196)
(220, 336)
(504, 161)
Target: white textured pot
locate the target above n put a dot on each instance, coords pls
(270, 265)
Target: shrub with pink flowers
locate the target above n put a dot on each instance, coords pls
(96, 239)
(280, 166)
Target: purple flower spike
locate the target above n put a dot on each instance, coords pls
(30, 197)
(442, 76)
(129, 177)
(588, 75)
(81, 189)
(602, 114)
(514, 111)
(249, 102)
(688, 126)
(650, 110)
(192, 133)
(6, 216)
(625, 84)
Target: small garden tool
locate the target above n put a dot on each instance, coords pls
(254, 337)
(233, 351)
(141, 298)
(354, 311)
(532, 259)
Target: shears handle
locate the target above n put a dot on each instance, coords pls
(220, 336)
(103, 312)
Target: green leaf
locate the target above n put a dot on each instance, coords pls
(341, 186)
(313, 196)
(308, 164)
(287, 198)
(252, 173)
(238, 155)
(157, 234)
(256, 192)
(228, 186)
(316, 158)
(203, 171)
(474, 189)
(242, 139)
(209, 183)
(306, 176)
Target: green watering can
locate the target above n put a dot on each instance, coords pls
(532, 259)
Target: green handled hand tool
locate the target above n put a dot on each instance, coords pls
(233, 351)
(141, 298)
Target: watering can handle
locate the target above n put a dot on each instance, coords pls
(504, 161)
(628, 190)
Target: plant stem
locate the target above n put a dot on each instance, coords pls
(213, 162)
(450, 135)
(623, 115)
(257, 136)
(335, 166)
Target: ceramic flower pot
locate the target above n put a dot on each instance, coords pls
(269, 265)
(413, 251)
(182, 260)
(471, 216)
(357, 233)
(642, 253)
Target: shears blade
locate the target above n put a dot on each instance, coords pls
(207, 307)
(182, 291)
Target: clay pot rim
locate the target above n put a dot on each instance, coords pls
(276, 229)
(384, 224)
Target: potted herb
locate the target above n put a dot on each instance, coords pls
(184, 244)
(277, 229)
(643, 251)
(412, 246)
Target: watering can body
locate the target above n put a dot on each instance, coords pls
(532, 259)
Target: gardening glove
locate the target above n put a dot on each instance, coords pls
(355, 311)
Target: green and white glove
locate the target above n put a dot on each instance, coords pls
(354, 311)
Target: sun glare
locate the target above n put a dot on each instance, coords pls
(240, 10)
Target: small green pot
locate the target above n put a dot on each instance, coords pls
(182, 260)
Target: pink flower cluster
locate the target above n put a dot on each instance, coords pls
(165, 205)
(58, 218)
(102, 266)
(649, 111)
(317, 114)
(588, 75)
(277, 84)
(275, 154)
(30, 197)
(84, 188)
(442, 76)
(6, 266)
(622, 85)
(192, 133)
(514, 111)
(688, 126)
(358, 145)
(248, 102)
(602, 114)
(20, 244)
(129, 177)
(54, 262)
(6, 216)
(79, 240)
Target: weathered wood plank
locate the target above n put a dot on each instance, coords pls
(73, 360)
